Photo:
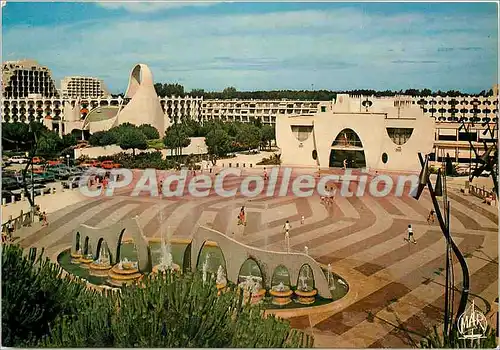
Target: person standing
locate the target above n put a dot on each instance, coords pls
(287, 226)
(410, 234)
(265, 174)
(241, 217)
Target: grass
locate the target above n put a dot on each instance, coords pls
(156, 144)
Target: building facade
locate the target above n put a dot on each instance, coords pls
(355, 132)
(26, 77)
(83, 87)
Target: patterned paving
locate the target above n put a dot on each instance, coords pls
(400, 284)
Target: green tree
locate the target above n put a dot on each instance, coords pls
(268, 135)
(249, 136)
(229, 92)
(177, 137)
(197, 92)
(132, 138)
(69, 140)
(149, 131)
(49, 144)
(218, 142)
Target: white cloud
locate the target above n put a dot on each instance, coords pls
(148, 7)
(335, 49)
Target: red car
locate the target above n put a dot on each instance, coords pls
(108, 164)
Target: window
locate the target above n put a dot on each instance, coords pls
(301, 132)
(315, 154)
(399, 135)
(323, 108)
(347, 138)
(385, 158)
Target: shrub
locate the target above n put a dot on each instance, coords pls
(42, 309)
(274, 159)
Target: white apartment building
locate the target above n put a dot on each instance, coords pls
(25, 77)
(83, 87)
(265, 110)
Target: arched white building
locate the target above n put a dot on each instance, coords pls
(358, 133)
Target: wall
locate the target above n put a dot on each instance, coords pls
(236, 253)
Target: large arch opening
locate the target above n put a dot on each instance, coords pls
(87, 249)
(281, 276)
(210, 257)
(103, 249)
(305, 280)
(119, 245)
(250, 269)
(347, 150)
(77, 243)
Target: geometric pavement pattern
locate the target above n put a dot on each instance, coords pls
(361, 237)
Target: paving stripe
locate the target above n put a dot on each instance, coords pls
(274, 232)
(389, 207)
(305, 238)
(71, 222)
(152, 228)
(493, 217)
(63, 219)
(345, 206)
(102, 218)
(401, 281)
(432, 312)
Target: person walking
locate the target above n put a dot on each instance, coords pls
(287, 226)
(44, 219)
(265, 174)
(431, 218)
(410, 234)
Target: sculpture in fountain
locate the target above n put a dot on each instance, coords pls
(102, 265)
(251, 286)
(305, 292)
(166, 260)
(281, 294)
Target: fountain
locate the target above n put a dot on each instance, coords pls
(204, 268)
(125, 272)
(252, 289)
(87, 259)
(75, 257)
(221, 280)
(166, 260)
(305, 291)
(281, 294)
(331, 280)
(101, 266)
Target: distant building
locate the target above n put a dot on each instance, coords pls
(25, 77)
(83, 87)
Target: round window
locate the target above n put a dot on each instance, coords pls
(315, 154)
(385, 158)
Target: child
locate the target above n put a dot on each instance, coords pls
(287, 227)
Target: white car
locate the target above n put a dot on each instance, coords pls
(18, 160)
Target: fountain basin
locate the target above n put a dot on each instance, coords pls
(255, 298)
(85, 262)
(159, 268)
(99, 270)
(281, 297)
(306, 297)
(75, 258)
(118, 277)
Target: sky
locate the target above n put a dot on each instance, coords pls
(262, 45)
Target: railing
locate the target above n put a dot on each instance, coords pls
(23, 220)
(482, 193)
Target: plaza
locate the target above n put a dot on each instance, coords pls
(399, 284)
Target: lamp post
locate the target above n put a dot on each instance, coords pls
(67, 160)
(444, 222)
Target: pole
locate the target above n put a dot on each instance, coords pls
(463, 263)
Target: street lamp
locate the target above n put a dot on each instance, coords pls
(444, 223)
(67, 159)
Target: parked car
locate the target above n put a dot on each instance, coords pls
(8, 196)
(9, 183)
(18, 160)
(37, 189)
(48, 177)
(60, 174)
(108, 164)
(91, 164)
(74, 181)
(38, 160)
(53, 162)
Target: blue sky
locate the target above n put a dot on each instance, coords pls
(262, 46)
